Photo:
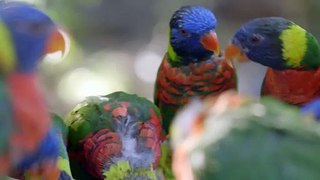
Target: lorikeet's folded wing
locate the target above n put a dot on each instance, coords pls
(107, 132)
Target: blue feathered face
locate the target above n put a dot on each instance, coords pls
(260, 40)
(30, 31)
(277, 43)
(192, 33)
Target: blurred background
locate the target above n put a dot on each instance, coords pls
(118, 45)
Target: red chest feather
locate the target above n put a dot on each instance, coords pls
(292, 86)
(175, 85)
(31, 117)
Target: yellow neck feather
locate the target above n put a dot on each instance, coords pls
(63, 164)
(294, 43)
(7, 53)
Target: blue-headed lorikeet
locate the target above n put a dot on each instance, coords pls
(235, 137)
(27, 34)
(279, 53)
(191, 67)
(116, 136)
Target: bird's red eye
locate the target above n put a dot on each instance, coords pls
(255, 39)
(183, 32)
(37, 28)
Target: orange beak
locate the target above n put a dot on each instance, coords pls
(210, 42)
(234, 53)
(56, 42)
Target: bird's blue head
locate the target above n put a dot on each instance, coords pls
(269, 42)
(192, 35)
(275, 42)
(259, 41)
(32, 32)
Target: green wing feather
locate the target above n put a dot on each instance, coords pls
(165, 161)
(59, 125)
(62, 130)
(6, 118)
(136, 102)
(83, 119)
(96, 113)
(123, 170)
(91, 115)
(268, 140)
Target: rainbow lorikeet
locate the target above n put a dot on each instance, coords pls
(234, 137)
(191, 67)
(27, 34)
(116, 136)
(279, 53)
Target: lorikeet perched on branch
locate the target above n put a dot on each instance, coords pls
(114, 136)
(191, 66)
(27, 34)
(279, 53)
(233, 137)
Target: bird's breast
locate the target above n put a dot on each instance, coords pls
(292, 86)
(29, 110)
(177, 84)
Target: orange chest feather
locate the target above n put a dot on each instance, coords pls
(177, 84)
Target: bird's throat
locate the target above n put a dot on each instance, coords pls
(173, 58)
(250, 77)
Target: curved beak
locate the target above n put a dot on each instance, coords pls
(233, 52)
(210, 42)
(57, 42)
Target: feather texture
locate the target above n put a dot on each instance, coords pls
(28, 120)
(176, 86)
(234, 135)
(105, 130)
